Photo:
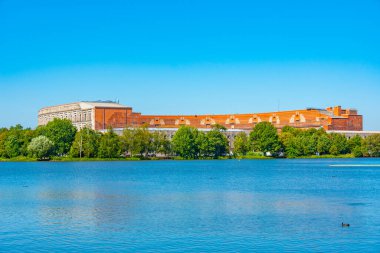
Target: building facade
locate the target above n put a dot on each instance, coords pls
(96, 115)
(100, 115)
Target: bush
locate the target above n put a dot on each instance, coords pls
(41, 148)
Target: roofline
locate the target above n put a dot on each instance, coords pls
(109, 107)
(88, 102)
(235, 114)
(192, 115)
(52, 106)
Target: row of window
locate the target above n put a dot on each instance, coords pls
(274, 120)
(75, 116)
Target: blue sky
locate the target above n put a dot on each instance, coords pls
(190, 57)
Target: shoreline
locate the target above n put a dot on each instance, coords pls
(136, 159)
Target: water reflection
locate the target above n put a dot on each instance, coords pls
(194, 206)
(101, 210)
(85, 209)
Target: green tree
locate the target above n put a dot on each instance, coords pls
(308, 142)
(160, 143)
(241, 144)
(27, 136)
(355, 146)
(323, 144)
(287, 139)
(14, 142)
(334, 150)
(12, 146)
(185, 142)
(41, 147)
(357, 152)
(137, 141)
(297, 142)
(142, 141)
(110, 145)
(371, 145)
(213, 144)
(86, 143)
(62, 133)
(291, 130)
(338, 144)
(202, 142)
(293, 145)
(264, 138)
(295, 148)
(127, 140)
(3, 137)
(219, 127)
(40, 130)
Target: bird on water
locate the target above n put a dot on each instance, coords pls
(345, 224)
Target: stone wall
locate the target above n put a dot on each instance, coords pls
(79, 117)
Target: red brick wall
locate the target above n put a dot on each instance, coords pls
(111, 117)
(310, 118)
(351, 123)
(123, 117)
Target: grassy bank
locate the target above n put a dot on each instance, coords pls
(246, 157)
(324, 157)
(18, 159)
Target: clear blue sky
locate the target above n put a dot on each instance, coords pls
(190, 57)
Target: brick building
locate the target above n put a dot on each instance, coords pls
(100, 115)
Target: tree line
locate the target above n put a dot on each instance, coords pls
(59, 138)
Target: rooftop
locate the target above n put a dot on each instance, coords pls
(81, 106)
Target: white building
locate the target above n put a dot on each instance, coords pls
(81, 114)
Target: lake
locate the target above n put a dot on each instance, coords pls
(191, 206)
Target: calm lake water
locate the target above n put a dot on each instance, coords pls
(190, 206)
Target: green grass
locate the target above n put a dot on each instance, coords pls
(323, 156)
(85, 159)
(18, 159)
(254, 156)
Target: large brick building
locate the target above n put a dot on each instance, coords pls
(100, 115)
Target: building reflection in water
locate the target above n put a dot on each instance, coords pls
(78, 208)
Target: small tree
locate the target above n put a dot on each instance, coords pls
(241, 144)
(14, 141)
(308, 144)
(371, 145)
(185, 142)
(3, 137)
(160, 143)
(202, 142)
(12, 146)
(264, 138)
(323, 144)
(287, 139)
(213, 144)
(86, 143)
(338, 144)
(62, 133)
(137, 141)
(110, 145)
(142, 139)
(41, 147)
(355, 145)
(294, 147)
